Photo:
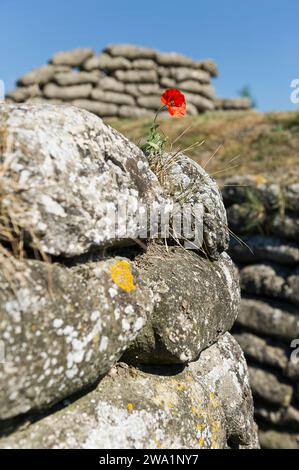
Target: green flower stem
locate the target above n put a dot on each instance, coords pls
(158, 112)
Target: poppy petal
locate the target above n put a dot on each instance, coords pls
(175, 100)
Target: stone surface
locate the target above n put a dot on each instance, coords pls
(73, 58)
(223, 370)
(266, 386)
(132, 409)
(66, 321)
(188, 183)
(73, 170)
(63, 328)
(185, 320)
(274, 319)
(206, 405)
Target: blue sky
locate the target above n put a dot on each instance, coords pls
(253, 42)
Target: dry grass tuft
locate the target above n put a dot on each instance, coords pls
(11, 235)
(262, 143)
(3, 140)
(17, 240)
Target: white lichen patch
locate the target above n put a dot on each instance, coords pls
(118, 429)
(77, 333)
(75, 170)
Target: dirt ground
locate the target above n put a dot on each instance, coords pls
(231, 143)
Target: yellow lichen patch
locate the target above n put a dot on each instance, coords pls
(200, 426)
(259, 179)
(166, 397)
(216, 435)
(180, 386)
(209, 425)
(122, 275)
(130, 407)
(200, 412)
(157, 443)
(215, 426)
(214, 401)
(96, 339)
(214, 421)
(168, 404)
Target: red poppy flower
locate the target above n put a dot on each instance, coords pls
(175, 101)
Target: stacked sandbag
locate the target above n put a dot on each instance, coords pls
(233, 104)
(122, 81)
(111, 340)
(265, 216)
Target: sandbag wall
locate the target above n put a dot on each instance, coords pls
(266, 218)
(110, 343)
(122, 81)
